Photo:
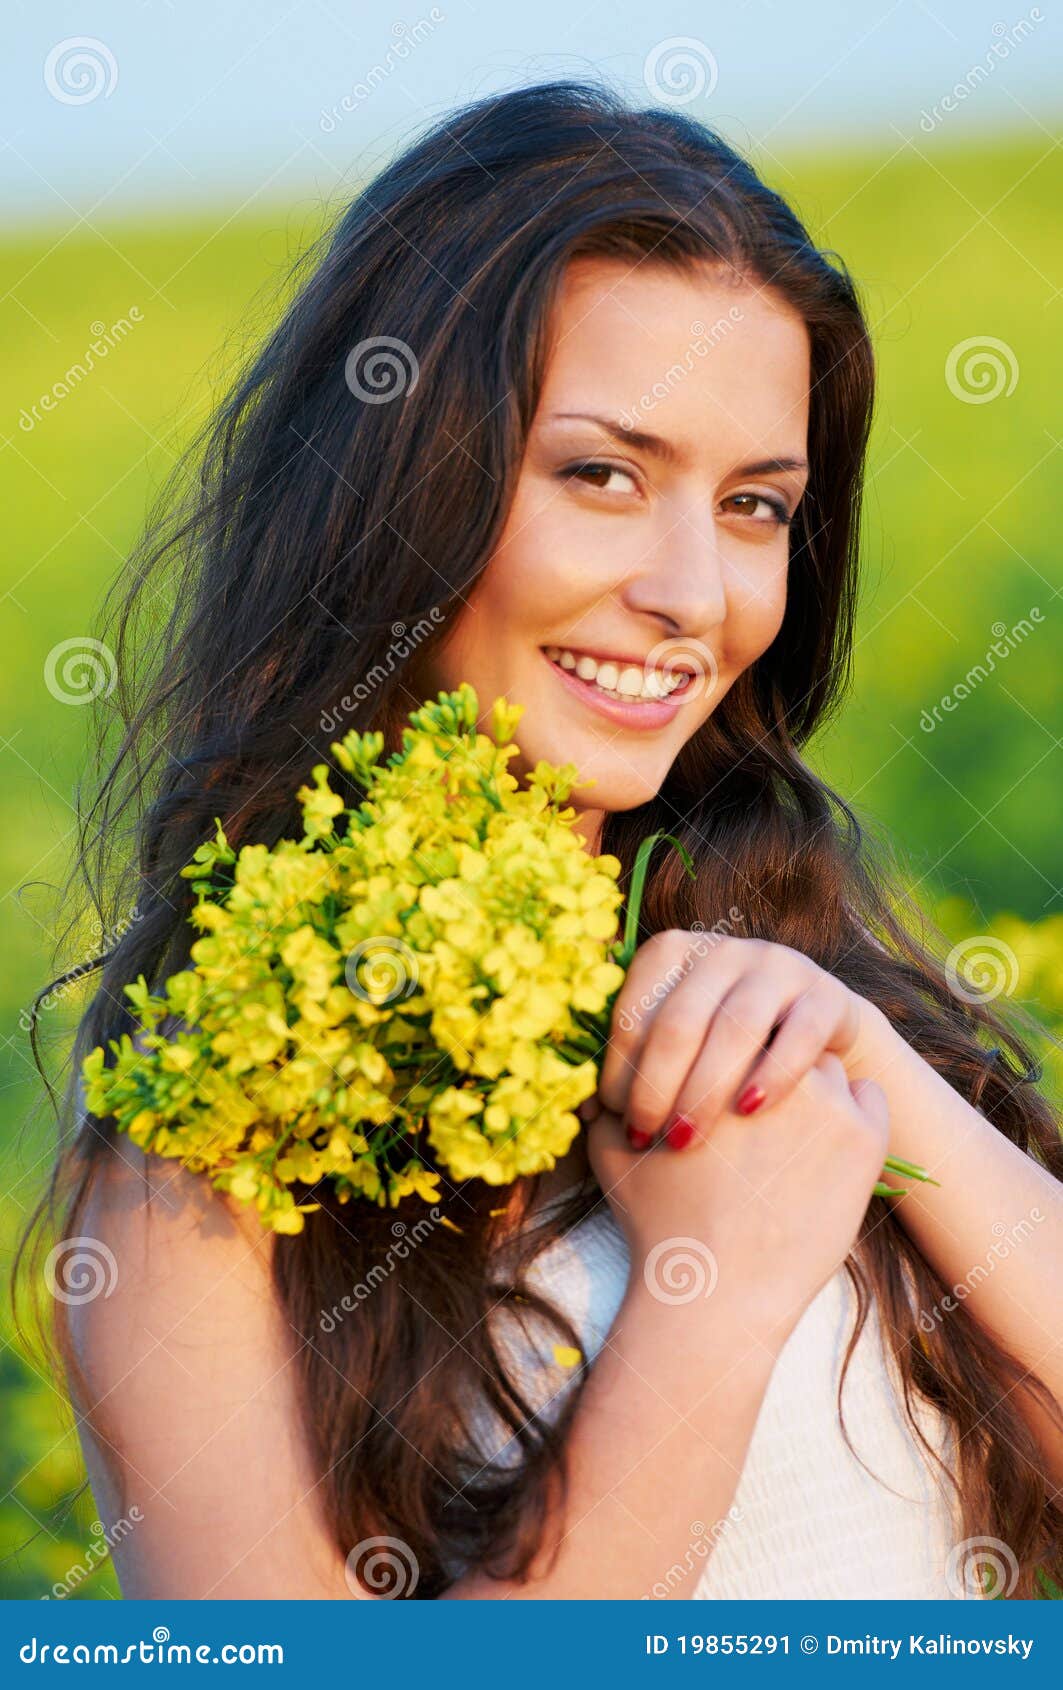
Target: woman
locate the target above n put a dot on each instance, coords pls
(571, 407)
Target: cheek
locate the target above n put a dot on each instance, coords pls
(552, 560)
(756, 605)
(503, 618)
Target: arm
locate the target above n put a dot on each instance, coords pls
(655, 1452)
(193, 1365)
(703, 1048)
(993, 1229)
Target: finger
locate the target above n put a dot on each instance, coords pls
(825, 1017)
(669, 1051)
(864, 1096)
(675, 1036)
(740, 1025)
(657, 968)
(830, 1067)
(873, 1104)
(609, 1153)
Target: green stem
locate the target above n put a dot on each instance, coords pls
(910, 1170)
(271, 1155)
(626, 950)
(573, 1052)
(400, 1134)
(597, 1027)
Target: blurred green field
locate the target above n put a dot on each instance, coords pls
(962, 551)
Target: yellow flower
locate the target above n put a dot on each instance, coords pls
(417, 1180)
(486, 932)
(244, 1182)
(287, 1220)
(320, 804)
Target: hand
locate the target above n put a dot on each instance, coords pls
(705, 1022)
(733, 1210)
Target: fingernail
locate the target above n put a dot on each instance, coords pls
(751, 1099)
(638, 1139)
(680, 1133)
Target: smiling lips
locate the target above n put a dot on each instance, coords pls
(629, 683)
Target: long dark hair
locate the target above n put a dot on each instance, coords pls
(316, 553)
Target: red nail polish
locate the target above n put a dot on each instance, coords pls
(751, 1099)
(680, 1133)
(638, 1139)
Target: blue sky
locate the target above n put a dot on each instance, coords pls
(207, 101)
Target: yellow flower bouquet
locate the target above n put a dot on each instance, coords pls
(432, 964)
(433, 967)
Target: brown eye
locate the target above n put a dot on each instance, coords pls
(775, 506)
(595, 474)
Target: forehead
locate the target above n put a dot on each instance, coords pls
(698, 355)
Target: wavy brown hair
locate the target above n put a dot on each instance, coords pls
(309, 528)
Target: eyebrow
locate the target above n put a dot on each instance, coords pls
(657, 447)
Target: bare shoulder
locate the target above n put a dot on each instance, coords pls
(172, 1253)
(191, 1376)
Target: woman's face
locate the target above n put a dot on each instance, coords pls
(643, 564)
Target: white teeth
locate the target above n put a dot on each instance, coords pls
(629, 682)
(607, 676)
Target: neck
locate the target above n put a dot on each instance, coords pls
(588, 824)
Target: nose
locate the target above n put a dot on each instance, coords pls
(680, 581)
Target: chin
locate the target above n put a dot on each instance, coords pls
(615, 795)
(608, 782)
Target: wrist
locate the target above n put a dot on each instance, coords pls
(876, 1045)
(882, 1054)
(692, 1301)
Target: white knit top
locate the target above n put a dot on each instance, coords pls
(808, 1520)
